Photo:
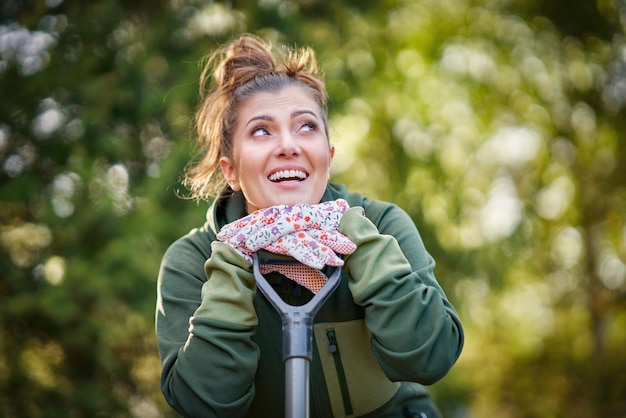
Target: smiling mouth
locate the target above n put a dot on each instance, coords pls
(288, 175)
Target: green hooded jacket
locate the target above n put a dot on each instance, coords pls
(386, 331)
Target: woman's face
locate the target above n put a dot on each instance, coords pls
(281, 154)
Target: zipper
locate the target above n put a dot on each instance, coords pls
(333, 348)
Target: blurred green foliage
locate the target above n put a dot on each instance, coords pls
(498, 125)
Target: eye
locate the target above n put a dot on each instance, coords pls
(309, 126)
(259, 131)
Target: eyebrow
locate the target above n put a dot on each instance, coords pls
(293, 115)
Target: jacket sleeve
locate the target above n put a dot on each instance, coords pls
(416, 333)
(204, 331)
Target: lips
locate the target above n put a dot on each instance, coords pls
(288, 175)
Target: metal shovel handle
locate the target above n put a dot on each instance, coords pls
(297, 333)
(297, 320)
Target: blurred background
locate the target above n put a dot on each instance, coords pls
(499, 125)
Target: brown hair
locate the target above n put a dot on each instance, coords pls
(234, 73)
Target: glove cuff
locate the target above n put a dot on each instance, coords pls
(228, 294)
(377, 256)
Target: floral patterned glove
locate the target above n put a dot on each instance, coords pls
(314, 248)
(265, 226)
(308, 233)
(338, 242)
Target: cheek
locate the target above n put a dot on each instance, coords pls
(328, 157)
(249, 167)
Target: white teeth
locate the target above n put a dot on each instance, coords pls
(288, 174)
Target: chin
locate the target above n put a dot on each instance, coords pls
(285, 197)
(296, 200)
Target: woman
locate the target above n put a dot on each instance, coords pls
(384, 332)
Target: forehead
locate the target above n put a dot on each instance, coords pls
(288, 98)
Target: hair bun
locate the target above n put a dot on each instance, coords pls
(242, 61)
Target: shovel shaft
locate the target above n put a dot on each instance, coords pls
(297, 388)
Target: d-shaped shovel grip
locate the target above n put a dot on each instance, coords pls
(297, 320)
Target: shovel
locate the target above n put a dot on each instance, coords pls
(297, 324)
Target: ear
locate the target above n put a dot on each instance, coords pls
(230, 174)
(332, 155)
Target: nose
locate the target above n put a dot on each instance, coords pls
(287, 145)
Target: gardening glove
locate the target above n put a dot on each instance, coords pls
(337, 241)
(314, 248)
(302, 246)
(228, 293)
(265, 226)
